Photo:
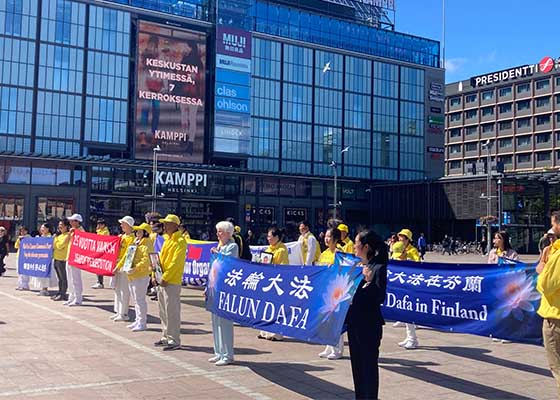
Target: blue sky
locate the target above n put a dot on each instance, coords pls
(484, 35)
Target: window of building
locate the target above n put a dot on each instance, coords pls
(470, 98)
(470, 114)
(557, 136)
(505, 91)
(543, 102)
(455, 132)
(544, 156)
(505, 143)
(505, 125)
(487, 128)
(505, 108)
(455, 149)
(488, 95)
(49, 209)
(455, 117)
(487, 111)
(557, 81)
(557, 99)
(506, 160)
(524, 123)
(543, 120)
(455, 101)
(543, 138)
(471, 130)
(471, 147)
(523, 88)
(558, 118)
(524, 158)
(455, 164)
(542, 84)
(523, 105)
(524, 141)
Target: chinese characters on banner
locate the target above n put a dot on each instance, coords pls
(306, 303)
(35, 256)
(94, 253)
(480, 299)
(171, 67)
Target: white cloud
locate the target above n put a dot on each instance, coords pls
(454, 64)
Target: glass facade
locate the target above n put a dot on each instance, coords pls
(310, 104)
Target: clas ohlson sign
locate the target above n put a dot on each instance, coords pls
(546, 65)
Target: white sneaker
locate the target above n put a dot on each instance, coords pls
(97, 286)
(121, 318)
(401, 344)
(324, 354)
(334, 356)
(214, 359)
(75, 303)
(130, 326)
(397, 324)
(411, 344)
(139, 328)
(223, 362)
(113, 316)
(495, 339)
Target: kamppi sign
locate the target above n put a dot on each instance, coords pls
(546, 65)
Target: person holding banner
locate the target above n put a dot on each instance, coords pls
(502, 249)
(43, 283)
(279, 253)
(364, 319)
(74, 274)
(23, 280)
(333, 242)
(139, 276)
(100, 229)
(122, 292)
(172, 258)
(310, 249)
(222, 329)
(408, 252)
(346, 245)
(61, 246)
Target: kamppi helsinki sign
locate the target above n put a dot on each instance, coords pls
(546, 65)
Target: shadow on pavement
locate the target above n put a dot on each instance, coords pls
(480, 355)
(210, 350)
(418, 370)
(296, 377)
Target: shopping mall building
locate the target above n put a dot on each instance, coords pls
(511, 119)
(236, 108)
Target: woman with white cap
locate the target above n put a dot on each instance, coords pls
(139, 276)
(122, 292)
(75, 286)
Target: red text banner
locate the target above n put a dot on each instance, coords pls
(94, 253)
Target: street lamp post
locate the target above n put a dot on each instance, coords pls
(334, 165)
(488, 196)
(154, 178)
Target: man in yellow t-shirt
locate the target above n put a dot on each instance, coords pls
(172, 258)
(348, 244)
(548, 285)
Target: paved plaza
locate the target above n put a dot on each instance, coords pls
(49, 351)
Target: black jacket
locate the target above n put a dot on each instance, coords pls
(366, 304)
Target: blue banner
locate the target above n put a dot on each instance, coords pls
(481, 299)
(304, 302)
(35, 256)
(197, 262)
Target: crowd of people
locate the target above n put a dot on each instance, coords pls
(364, 319)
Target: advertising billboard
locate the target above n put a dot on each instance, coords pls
(170, 93)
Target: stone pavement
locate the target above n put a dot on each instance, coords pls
(48, 351)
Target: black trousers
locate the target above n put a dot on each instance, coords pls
(100, 279)
(364, 341)
(2, 264)
(60, 269)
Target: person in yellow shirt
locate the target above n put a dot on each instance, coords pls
(185, 231)
(310, 249)
(279, 256)
(332, 241)
(548, 285)
(61, 246)
(122, 292)
(172, 259)
(139, 276)
(347, 245)
(404, 250)
(100, 229)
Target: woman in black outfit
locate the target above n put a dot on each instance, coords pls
(364, 319)
(4, 248)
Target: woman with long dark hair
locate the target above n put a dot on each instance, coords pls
(502, 249)
(364, 319)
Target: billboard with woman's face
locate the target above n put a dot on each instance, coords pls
(170, 93)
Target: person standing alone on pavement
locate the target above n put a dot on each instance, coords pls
(172, 258)
(422, 246)
(548, 284)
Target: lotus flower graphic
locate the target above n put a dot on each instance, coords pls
(516, 294)
(214, 273)
(338, 291)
